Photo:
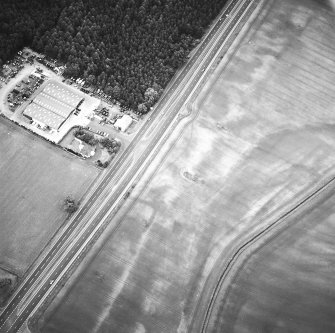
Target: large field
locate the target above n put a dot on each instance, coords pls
(288, 285)
(263, 138)
(35, 179)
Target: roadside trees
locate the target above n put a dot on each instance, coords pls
(70, 205)
(142, 108)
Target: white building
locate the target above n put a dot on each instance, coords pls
(53, 105)
(123, 123)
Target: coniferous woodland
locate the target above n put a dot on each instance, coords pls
(123, 47)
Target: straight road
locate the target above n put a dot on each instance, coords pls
(172, 101)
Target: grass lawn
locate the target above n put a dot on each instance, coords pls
(35, 177)
(263, 137)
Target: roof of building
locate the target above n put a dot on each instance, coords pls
(53, 105)
(58, 91)
(43, 115)
(82, 147)
(124, 122)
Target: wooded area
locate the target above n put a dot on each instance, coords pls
(123, 47)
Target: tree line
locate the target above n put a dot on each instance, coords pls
(128, 48)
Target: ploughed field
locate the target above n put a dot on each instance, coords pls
(262, 137)
(35, 179)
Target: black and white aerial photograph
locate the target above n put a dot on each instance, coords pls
(167, 166)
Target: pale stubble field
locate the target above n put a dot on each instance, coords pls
(263, 138)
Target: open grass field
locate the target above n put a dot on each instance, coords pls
(35, 178)
(263, 138)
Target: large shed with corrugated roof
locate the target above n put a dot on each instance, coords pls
(53, 105)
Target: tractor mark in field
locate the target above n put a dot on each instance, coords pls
(121, 283)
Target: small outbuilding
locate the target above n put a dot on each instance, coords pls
(123, 123)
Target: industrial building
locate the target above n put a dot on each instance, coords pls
(53, 105)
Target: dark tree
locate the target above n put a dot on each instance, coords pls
(24, 21)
